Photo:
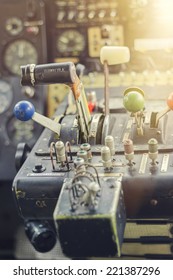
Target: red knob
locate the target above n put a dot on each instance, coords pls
(170, 101)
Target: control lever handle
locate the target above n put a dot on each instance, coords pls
(65, 73)
(24, 111)
(50, 73)
(134, 99)
(157, 116)
(112, 55)
(134, 102)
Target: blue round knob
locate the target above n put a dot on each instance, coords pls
(24, 110)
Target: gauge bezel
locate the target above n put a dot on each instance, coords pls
(16, 31)
(66, 51)
(18, 131)
(8, 94)
(25, 59)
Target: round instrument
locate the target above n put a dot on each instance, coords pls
(17, 53)
(70, 42)
(14, 26)
(6, 96)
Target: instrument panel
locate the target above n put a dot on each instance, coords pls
(23, 40)
(17, 52)
(13, 131)
(35, 32)
(42, 31)
(81, 27)
(59, 30)
(23, 35)
(78, 29)
(6, 96)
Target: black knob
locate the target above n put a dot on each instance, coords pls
(38, 168)
(41, 235)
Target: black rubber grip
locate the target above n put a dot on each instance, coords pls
(51, 73)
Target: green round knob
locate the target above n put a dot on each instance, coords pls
(133, 101)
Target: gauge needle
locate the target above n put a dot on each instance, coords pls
(21, 51)
(63, 40)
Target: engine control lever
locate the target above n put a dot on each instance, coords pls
(65, 73)
(24, 111)
(134, 103)
(157, 116)
(112, 55)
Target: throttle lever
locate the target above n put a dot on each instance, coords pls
(112, 55)
(65, 73)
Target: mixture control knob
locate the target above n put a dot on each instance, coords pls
(24, 111)
(155, 117)
(133, 100)
(170, 101)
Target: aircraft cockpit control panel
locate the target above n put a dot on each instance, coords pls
(98, 76)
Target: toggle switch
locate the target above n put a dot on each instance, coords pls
(153, 150)
(129, 151)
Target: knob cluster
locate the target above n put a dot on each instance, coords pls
(83, 15)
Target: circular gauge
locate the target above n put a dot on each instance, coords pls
(14, 26)
(71, 42)
(6, 96)
(20, 131)
(17, 53)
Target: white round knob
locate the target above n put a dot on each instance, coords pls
(114, 54)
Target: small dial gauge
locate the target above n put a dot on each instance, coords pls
(70, 42)
(14, 26)
(6, 96)
(17, 53)
(21, 131)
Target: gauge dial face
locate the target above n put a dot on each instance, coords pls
(21, 131)
(17, 53)
(14, 26)
(70, 42)
(6, 96)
